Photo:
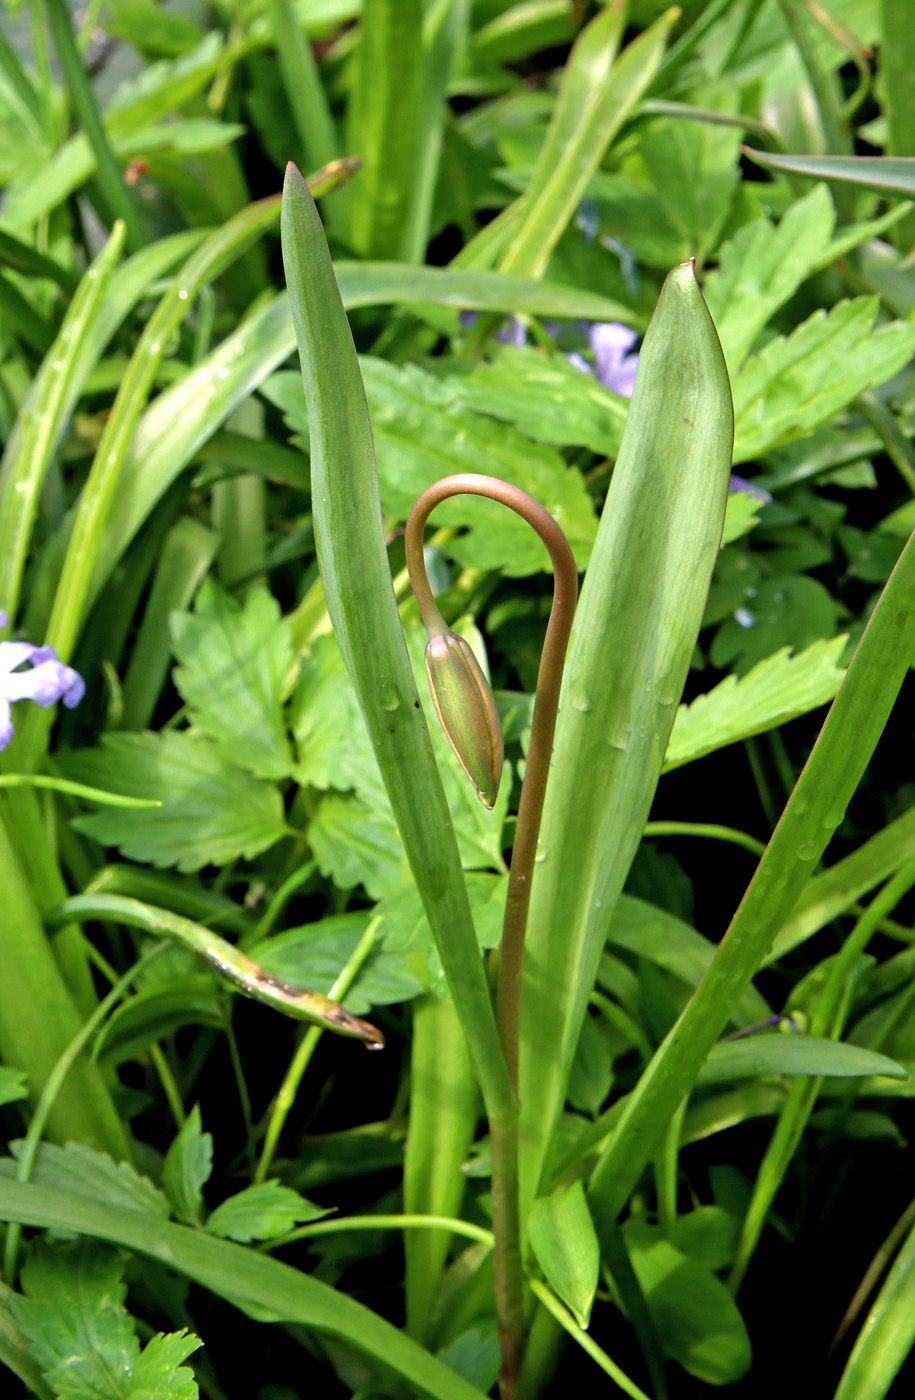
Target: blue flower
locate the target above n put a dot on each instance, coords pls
(46, 681)
(613, 367)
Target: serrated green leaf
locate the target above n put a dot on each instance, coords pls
(357, 844)
(694, 167)
(85, 1172)
(333, 743)
(421, 435)
(546, 397)
(212, 811)
(73, 1314)
(793, 1054)
(261, 1213)
(780, 688)
(233, 661)
(158, 1374)
(762, 266)
(789, 610)
(404, 928)
(564, 1241)
(187, 1168)
(740, 516)
(315, 955)
(797, 383)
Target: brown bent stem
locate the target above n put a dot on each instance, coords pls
(506, 1219)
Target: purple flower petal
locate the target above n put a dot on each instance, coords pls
(614, 368)
(46, 680)
(738, 483)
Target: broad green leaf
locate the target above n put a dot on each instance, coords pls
(212, 812)
(14, 1349)
(793, 1054)
(695, 1318)
(667, 941)
(663, 519)
(886, 174)
(233, 661)
(547, 398)
(187, 1168)
(244, 1277)
(315, 955)
(797, 383)
(789, 610)
(707, 1234)
(565, 1246)
(261, 1213)
(85, 1172)
(780, 688)
(333, 744)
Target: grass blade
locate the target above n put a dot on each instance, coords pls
(244, 1277)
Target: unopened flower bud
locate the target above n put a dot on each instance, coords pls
(467, 711)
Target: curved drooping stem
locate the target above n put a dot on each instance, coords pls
(543, 724)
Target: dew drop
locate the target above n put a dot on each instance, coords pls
(541, 855)
(182, 295)
(389, 698)
(222, 374)
(580, 698)
(808, 850)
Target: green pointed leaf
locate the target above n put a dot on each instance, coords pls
(793, 1054)
(564, 1242)
(212, 812)
(695, 1318)
(187, 1168)
(234, 659)
(780, 688)
(262, 1213)
(656, 934)
(886, 174)
(790, 609)
(797, 383)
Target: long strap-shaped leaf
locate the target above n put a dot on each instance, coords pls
(248, 976)
(635, 629)
(360, 600)
(245, 1278)
(814, 811)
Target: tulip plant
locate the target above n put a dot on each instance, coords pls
(374, 585)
